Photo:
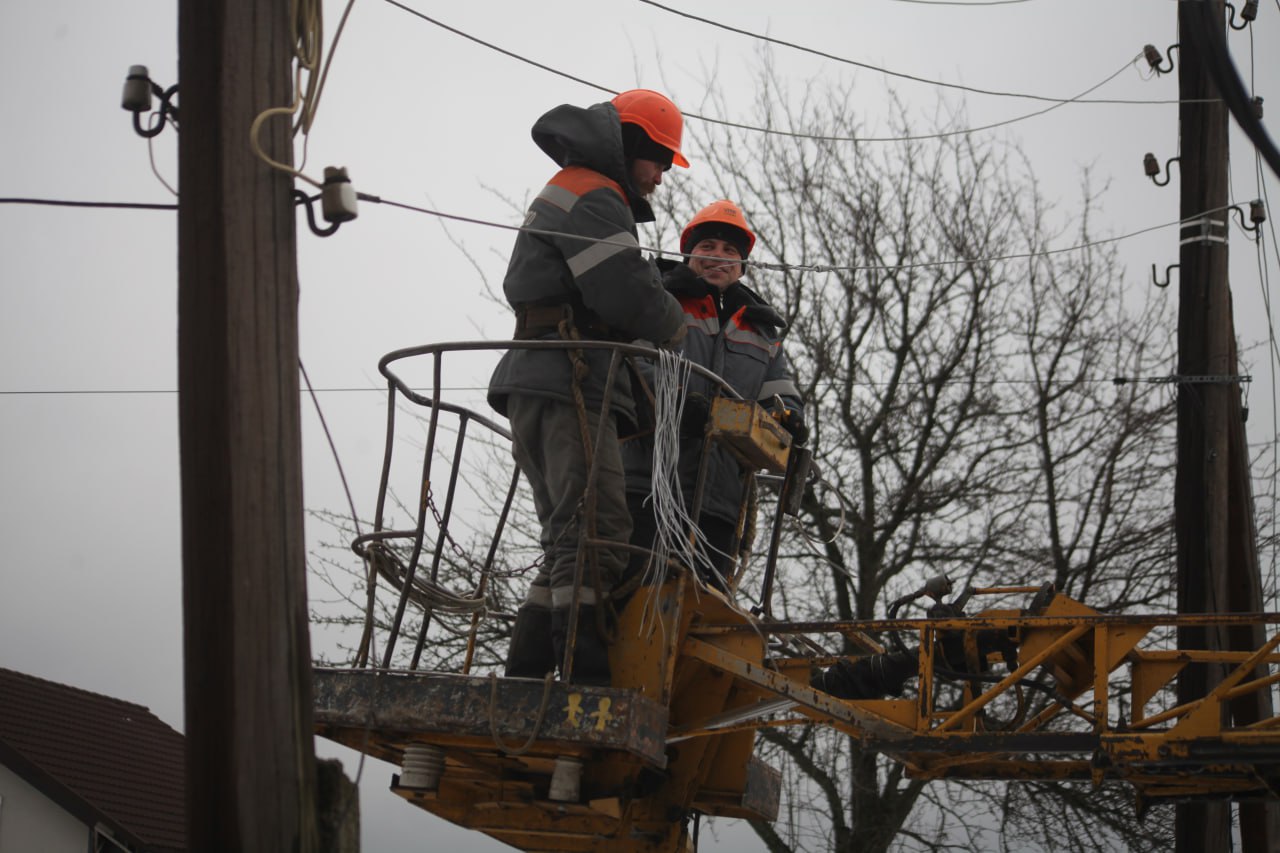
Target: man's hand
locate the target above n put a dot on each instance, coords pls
(693, 419)
(793, 422)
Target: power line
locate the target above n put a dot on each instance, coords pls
(963, 3)
(127, 205)
(900, 74)
(501, 50)
(832, 383)
(817, 268)
(764, 265)
(1078, 99)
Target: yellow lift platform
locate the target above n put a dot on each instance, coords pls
(1051, 690)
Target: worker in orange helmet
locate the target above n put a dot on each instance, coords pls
(577, 271)
(734, 333)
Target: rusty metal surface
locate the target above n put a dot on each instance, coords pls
(751, 433)
(810, 701)
(419, 705)
(537, 825)
(981, 622)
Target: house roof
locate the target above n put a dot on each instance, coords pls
(102, 759)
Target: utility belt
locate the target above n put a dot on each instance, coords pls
(536, 320)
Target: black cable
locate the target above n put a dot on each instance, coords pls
(1211, 40)
(963, 3)
(889, 72)
(128, 205)
(1056, 102)
(504, 52)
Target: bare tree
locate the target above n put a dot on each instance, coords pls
(980, 407)
(980, 404)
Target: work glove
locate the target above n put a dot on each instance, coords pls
(693, 419)
(793, 422)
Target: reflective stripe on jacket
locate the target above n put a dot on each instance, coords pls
(747, 353)
(591, 260)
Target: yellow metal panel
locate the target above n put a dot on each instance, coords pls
(751, 433)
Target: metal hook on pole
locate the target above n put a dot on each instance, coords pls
(1257, 215)
(136, 98)
(1167, 270)
(306, 201)
(1247, 14)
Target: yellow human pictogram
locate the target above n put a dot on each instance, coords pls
(602, 715)
(573, 711)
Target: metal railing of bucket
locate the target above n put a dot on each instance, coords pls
(407, 574)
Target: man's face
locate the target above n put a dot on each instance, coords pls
(722, 268)
(646, 176)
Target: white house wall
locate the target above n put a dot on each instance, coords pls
(30, 821)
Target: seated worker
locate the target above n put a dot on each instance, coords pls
(734, 333)
(577, 273)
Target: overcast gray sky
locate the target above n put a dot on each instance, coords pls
(88, 411)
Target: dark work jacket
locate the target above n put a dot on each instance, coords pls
(746, 351)
(610, 283)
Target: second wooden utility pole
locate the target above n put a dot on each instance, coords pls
(1217, 549)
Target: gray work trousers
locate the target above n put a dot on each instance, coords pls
(547, 445)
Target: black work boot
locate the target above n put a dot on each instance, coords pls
(531, 654)
(590, 652)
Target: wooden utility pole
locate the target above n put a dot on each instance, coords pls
(1213, 504)
(250, 755)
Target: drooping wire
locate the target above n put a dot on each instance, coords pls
(1078, 99)
(812, 268)
(888, 72)
(307, 20)
(151, 155)
(1264, 282)
(333, 448)
(665, 497)
(116, 205)
(963, 2)
(503, 51)
(771, 131)
(764, 265)
(677, 535)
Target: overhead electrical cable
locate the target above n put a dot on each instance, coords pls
(1211, 41)
(151, 155)
(501, 50)
(765, 265)
(963, 3)
(124, 205)
(829, 383)
(1078, 99)
(308, 45)
(889, 72)
(819, 268)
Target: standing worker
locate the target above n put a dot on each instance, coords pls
(578, 274)
(734, 333)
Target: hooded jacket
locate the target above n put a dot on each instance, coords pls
(608, 283)
(746, 351)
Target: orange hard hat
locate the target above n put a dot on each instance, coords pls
(712, 221)
(656, 115)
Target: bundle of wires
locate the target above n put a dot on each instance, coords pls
(678, 537)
